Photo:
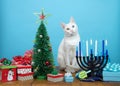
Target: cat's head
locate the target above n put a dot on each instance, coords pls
(71, 28)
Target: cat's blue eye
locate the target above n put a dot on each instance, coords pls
(68, 28)
(73, 26)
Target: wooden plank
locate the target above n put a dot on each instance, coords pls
(48, 83)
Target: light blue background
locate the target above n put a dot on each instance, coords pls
(97, 19)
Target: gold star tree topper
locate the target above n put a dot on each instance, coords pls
(41, 16)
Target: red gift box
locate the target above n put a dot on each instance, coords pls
(7, 73)
(24, 69)
(24, 72)
(55, 78)
(23, 77)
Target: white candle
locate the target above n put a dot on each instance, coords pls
(91, 42)
(95, 47)
(87, 48)
(105, 42)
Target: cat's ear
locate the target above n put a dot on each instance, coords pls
(72, 20)
(63, 25)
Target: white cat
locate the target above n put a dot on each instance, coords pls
(67, 48)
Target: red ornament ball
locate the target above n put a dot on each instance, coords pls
(47, 63)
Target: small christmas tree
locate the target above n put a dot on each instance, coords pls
(42, 52)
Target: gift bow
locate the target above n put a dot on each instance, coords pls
(19, 60)
(112, 67)
(28, 53)
(26, 60)
(68, 74)
(2, 60)
(7, 62)
(54, 72)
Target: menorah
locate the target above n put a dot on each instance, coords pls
(93, 63)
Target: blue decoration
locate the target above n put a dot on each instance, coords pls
(112, 67)
(68, 77)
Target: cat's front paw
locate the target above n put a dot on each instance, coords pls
(69, 69)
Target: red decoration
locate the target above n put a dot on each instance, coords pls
(23, 60)
(42, 16)
(17, 60)
(2, 60)
(24, 72)
(23, 77)
(47, 63)
(28, 53)
(26, 60)
(55, 78)
(7, 73)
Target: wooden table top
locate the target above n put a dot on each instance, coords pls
(76, 82)
(48, 83)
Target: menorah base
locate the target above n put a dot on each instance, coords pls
(92, 79)
(96, 74)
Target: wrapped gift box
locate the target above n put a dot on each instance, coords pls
(55, 78)
(7, 73)
(111, 76)
(68, 77)
(23, 77)
(24, 72)
(24, 69)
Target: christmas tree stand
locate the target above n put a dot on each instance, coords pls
(41, 77)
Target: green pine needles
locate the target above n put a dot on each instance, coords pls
(42, 53)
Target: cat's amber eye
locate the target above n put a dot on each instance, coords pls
(68, 28)
(73, 26)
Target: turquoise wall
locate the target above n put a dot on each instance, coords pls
(97, 19)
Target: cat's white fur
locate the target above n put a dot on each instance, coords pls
(67, 48)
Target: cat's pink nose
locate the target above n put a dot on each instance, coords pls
(71, 31)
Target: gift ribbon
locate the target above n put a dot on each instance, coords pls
(68, 74)
(26, 60)
(54, 72)
(19, 60)
(112, 67)
(2, 60)
(7, 62)
(28, 53)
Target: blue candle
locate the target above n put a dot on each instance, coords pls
(106, 52)
(80, 48)
(91, 51)
(103, 45)
(77, 53)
